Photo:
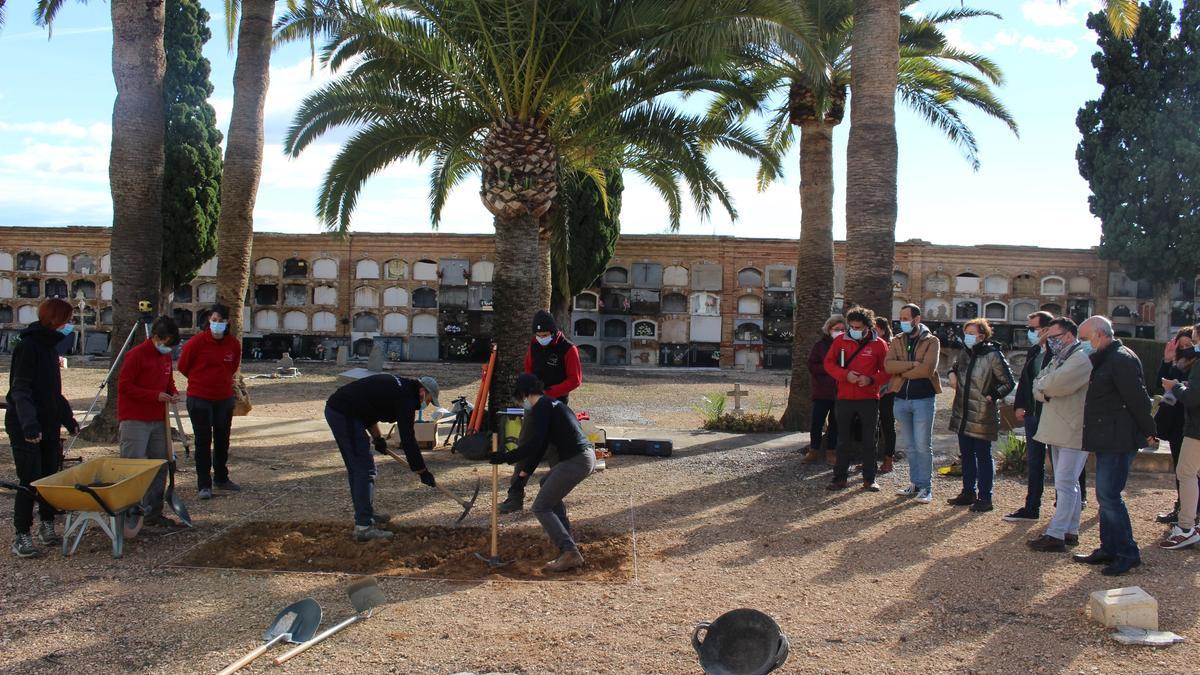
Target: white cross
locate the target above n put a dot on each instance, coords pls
(737, 395)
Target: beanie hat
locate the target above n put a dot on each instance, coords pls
(543, 321)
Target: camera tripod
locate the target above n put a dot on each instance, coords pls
(146, 318)
(462, 417)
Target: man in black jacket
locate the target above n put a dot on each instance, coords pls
(1116, 423)
(354, 412)
(1027, 410)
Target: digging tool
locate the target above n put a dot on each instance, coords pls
(365, 596)
(485, 385)
(173, 500)
(493, 561)
(464, 503)
(295, 623)
(187, 443)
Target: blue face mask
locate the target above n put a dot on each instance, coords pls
(906, 326)
(544, 341)
(163, 349)
(856, 334)
(970, 340)
(1196, 349)
(67, 328)
(1033, 335)
(526, 405)
(218, 327)
(1086, 347)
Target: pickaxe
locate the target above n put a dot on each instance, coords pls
(466, 504)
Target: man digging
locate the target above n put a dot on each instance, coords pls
(354, 412)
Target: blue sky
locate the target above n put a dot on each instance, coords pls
(56, 107)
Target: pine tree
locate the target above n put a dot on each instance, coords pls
(192, 179)
(591, 233)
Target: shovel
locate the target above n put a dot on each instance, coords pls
(295, 623)
(493, 561)
(466, 504)
(173, 500)
(365, 595)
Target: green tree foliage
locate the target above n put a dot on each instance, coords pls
(192, 179)
(1140, 151)
(583, 237)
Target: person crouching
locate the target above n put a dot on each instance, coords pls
(551, 422)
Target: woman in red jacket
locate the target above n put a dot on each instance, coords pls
(824, 394)
(855, 360)
(210, 361)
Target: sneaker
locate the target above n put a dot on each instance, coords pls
(963, 499)
(227, 485)
(982, 505)
(513, 504)
(23, 546)
(870, 486)
(569, 560)
(925, 495)
(887, 465)
(47, 535)
(380, 518)
(1179, 538)
(1021, 515)
(910, 491)
(1168, 517)
(205, 493)
(370, 532)
(837, 485)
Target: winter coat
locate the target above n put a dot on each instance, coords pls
(922, 366)
(984, 379)
(1187, 395)
(1169, 420)
(865, 357)
(824, 387)
(1062, 389)
(1024, 399)
(36, 406)
(556, 365)
(1116, 417)
(210, 365)
(145, 373)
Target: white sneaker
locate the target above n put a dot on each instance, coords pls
(925, 495)
(910, 491)
(1179, 538)
(370, 533)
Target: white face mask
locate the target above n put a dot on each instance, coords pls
(526, 404)
(544, 341)
(837, 334)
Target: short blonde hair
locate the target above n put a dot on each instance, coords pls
(982, 325)
(831, 322)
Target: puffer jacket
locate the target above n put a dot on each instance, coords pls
(983, 379)
(1062, 390)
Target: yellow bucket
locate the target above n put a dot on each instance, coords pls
(120, 483)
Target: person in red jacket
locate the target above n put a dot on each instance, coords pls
(855, 360)
(824, 394)
(210, 361)
(144, 388)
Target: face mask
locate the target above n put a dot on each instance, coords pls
(970, 340)
(67, 328)
(1196, 349)
(906, 326)
(837, 334)
(163, 349)
(218, 327)
(544, 341)
(526, 405)
(1087, 347)
(856, 334)
(1054, 344)
(1033, 335)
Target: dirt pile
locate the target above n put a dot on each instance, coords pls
(416, 551)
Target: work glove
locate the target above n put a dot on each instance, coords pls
(381, 445)
(497, 458)
(427, 478)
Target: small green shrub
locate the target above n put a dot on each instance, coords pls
(745, 423)
(710, 408)
(1012, 455)
(1150, 353)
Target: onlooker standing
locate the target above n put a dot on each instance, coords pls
(1169, 420)
(144, 388)
(1184, 532)
(912, 361)
(981, 379)
(887, 399)
(1116, 423)
(1027, 409)
(855, 360)
(36, 413)
(824, 393)
(1062, 389)
(210, 361)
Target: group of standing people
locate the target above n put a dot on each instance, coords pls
(1081, 391)
(37, 411)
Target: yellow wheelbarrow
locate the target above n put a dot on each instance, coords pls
(102, 491)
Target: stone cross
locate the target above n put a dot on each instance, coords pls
(737, 395)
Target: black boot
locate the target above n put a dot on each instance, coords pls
(516, 495)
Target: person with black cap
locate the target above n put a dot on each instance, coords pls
(554, 360)
(549, 421)
(354, 412)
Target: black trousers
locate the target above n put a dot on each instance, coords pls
(866, 413)
(822, 410)
(211, 422)
(887, 424)
(33, 461)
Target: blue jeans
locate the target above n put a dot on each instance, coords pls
(1068, 464)
(977, 466)
(1116, 532)
(915, 419)
(1035, 457)
(354, 443)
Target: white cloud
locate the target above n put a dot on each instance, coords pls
(954, 36)
(1061, 47)
(1052, 13)
(61, 129)
(1006, 38)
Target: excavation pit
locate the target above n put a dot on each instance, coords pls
(425, 552)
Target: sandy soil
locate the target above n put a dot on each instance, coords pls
(860, 582)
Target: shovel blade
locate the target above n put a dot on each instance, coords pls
(365, 594)
(298, 621)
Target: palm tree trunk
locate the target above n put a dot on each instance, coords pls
(814, 269)
(544, 269)
(871, 155)
(243, 157)
(135, 173)
(517, 294)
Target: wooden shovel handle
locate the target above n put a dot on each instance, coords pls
(251, 656)
(301, 648)
(495, 487)
(443, 490)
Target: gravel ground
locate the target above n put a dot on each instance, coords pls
(860, 582)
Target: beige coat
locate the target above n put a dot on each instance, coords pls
(923, 367)
(1062, 387)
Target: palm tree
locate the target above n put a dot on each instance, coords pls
(135, 170)
(935, 80)
(522, 92)
(1122, 16)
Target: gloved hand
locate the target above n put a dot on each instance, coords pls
(498, 458)
(427, 478)
(381, 445)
